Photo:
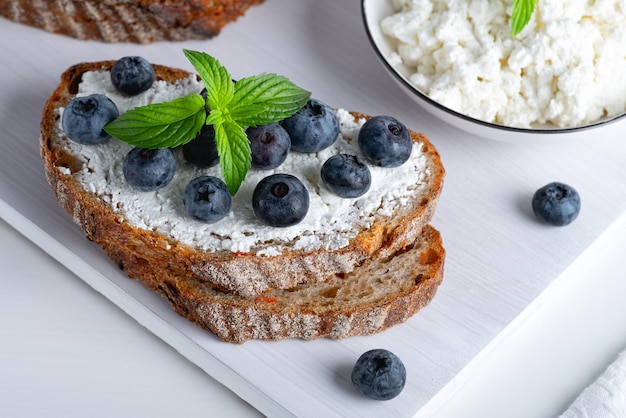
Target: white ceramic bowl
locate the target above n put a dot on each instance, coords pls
(375, 10)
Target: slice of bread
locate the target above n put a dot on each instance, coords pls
(140, 21)
(379, 294)
(394, 222)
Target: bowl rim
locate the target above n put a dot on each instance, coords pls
(406, 83)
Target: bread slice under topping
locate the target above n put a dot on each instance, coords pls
(381, 293)
(247, 273)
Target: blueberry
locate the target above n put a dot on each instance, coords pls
(202, 150)
(132, 75)
(312, 128)
(346, 175)
(149, 169)
(379, 374)
(269, 144)
(85, 117)
(207, 199)
(556, 204)
(385, 141)
(280, 200)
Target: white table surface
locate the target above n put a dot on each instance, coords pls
(65, 350)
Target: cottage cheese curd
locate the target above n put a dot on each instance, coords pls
(330, 222)
(565, 69)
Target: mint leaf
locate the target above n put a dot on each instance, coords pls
(251, 101)
(160, 125)
(216, 78)
(521, 14)
(233, 148)
(266, 98)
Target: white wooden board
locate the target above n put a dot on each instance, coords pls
(499, 259)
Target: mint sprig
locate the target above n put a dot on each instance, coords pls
(230, 107)
(520, 15)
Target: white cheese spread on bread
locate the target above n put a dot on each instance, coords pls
(330, 222)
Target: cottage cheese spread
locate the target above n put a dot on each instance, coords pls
(566, 68)
(331, 221)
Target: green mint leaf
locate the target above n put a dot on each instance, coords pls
(233, 107)
(160, 125)
(521, 14)
(216, 78)
(233, 148)
(251, 101)
(265, 98)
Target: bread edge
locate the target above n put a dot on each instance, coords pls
(237, 320)
(116, 22)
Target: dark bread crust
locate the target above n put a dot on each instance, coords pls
(140, 21)
(244, 273)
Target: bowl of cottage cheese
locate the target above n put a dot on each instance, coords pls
(561, 76)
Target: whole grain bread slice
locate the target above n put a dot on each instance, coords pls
(381, 293)
(140, 21)
(245, 273)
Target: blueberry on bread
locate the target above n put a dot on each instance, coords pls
(213, 271)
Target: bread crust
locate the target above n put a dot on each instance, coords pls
(246, 274)
(382, 293)
(139, 21)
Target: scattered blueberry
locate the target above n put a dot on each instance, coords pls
(207, 199)
(202, 150)
(149, 169)
(280, 200)
(556, 204)
(379, 374)
(132, 75)
(312, 128)
(269, 144)
(346, 175)
(385, 141)
(85, 117)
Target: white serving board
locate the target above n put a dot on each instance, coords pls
(499, 259)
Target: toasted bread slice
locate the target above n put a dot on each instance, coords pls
(379, 294)
(140, 21)
(389, 225)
